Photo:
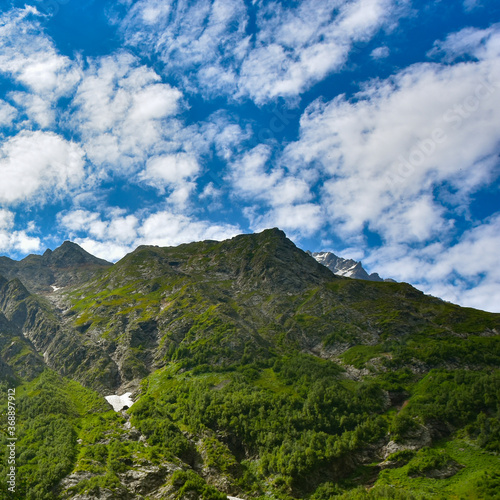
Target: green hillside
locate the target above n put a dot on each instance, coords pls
(256, 373)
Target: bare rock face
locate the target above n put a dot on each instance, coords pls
(104, 494)
(140, 480)
(345, 267)
(36, 329)
(145, 480)
(416, 439)
(75, 478)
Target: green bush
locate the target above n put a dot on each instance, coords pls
(427, 460)
(188, 481)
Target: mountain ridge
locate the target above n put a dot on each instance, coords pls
(348, 268)
(256, 372)
(67, 264)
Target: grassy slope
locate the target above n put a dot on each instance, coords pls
(64, 428)
(240, 398)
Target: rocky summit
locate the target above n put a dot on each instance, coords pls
(345, 267)
(67, 265)
(255, 372)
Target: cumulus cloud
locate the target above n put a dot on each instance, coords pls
(223, 132)
(385, 152)
(120, 110)
(299, 220)
(119, 228)
(15, 240)
(30, 58)
(404, 157)
(33, 164)
(465, 273)
(191, 38)
(380, 52)
(286, 197)
(478, 43)
(113, 235)
(130, 124)
(7, 114)
(174, 171)
(208, 46)
(39, 110)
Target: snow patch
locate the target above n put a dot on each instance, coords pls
(119, 402)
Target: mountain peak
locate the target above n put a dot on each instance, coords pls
(344, 267)
(70, 254)
(67, 264)
(274, 231)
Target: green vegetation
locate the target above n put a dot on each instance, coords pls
(48, 411)
(262, 376)
(303, 422)
(187, 481)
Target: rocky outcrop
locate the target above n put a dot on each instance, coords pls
(345, 267)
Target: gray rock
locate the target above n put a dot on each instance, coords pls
(344, 267)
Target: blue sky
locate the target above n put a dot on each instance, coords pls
(369, 128)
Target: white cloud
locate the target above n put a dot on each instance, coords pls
(34, 164)
(249, 175)
(404, 157)
(380, 52)
(169, 229)
(188, 35)
(297, 47)
(471, 4)
(119, 228)
(384, 153)
(29, 57)
(286, 198)
(22, 242)
(174, 172)
(6, 219)
(480, 43)
(7, 114)
(294, 47)
(221, 130)
(15, 240)
(299, 220)
(466, 273)
(116, 234)
(40, 111)
(121, 111)
(253, 178)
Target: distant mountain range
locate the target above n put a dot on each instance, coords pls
(345, 267)
(255, 371)
(65, 266)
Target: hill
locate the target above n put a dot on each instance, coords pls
(256, 372)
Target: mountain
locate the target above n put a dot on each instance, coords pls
(256, 372)
(345, 267)
(67, 265)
